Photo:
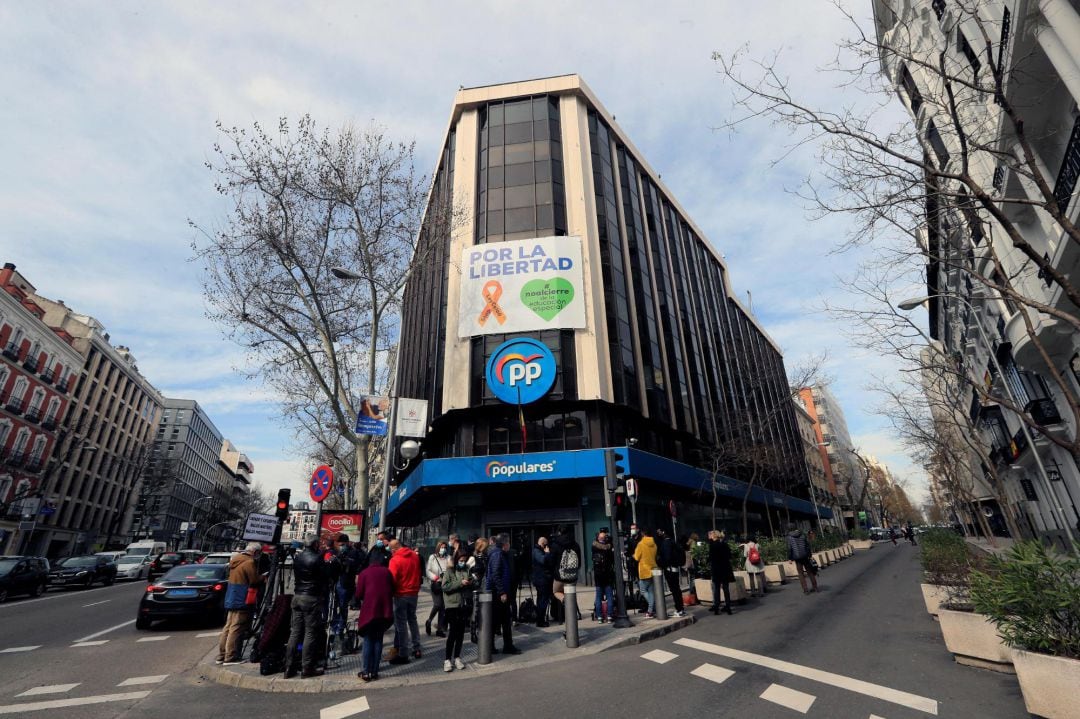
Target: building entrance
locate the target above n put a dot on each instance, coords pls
(522, 539)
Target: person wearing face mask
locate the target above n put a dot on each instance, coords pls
(380, 551)
(456, 583)
(631, 564)
(603, 563)
(436, 565)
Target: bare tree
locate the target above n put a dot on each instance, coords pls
(304, 202)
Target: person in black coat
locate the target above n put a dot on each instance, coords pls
(543, 574)
(720, 569)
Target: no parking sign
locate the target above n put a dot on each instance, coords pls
(321, 481)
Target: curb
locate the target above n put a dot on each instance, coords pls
(246, 676)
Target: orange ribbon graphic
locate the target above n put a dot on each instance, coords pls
(491, 292)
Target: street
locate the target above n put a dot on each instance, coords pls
(863, 647)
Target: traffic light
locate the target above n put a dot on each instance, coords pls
(614, 469)
(619, 513)
(282, 512)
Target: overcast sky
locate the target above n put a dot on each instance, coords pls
(109, 109)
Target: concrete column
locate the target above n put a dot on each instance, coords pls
(1062, 17)
(1061, 58)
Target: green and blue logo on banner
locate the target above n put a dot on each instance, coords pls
(521, 371)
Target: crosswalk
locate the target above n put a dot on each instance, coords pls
(86, 642)
(779, 694)
(52, 691)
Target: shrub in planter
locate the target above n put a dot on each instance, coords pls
(700, 554)
(947, 562)
(860, 534)
(774, 550)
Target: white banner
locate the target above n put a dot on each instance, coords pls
(259, 528)
(412, 417)
(521, 286)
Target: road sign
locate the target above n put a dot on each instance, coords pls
(631, 489)
(260, 527)
(322, 479)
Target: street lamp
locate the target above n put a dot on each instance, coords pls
(191, 516)
(1055, 503)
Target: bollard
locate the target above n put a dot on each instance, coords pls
(570, 610)
(487, 629)
(658, 588)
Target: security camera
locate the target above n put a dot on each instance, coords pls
(631, 441)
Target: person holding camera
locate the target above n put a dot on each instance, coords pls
(310, 587)
(603, 562)
(457, 583)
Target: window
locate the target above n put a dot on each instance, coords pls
(965, 47)
(914, 96)
(39, 448)
(37, 400)
(937, 144)
(21, 440)
(19, 391)
(5, 432)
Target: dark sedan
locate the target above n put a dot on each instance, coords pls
(164, 562)
(189, 591)
(82, 571)
(23, 575)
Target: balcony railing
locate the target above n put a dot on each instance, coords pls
(1044, 411)
(16, 458)
(48, 375)
(1070, 170)
(15, 406)
(49, 423)
(33, 414)
(11, 351)
(30, 363)
(34, 464)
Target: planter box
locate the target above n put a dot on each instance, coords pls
(933, 596)
(974, 641)
(834, 555)
(775, 574)
(862, 543)
(703, 588)
(1050, 684)
(789, 569)
(822, 559)
(742, 581)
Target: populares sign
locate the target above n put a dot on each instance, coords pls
(521, 286)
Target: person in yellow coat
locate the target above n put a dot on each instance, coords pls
(645, 556)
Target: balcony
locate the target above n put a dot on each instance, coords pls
(1070, 170)
(49, 423)
(48, 375)
(33, 414)
(11, 351)
(16, 458)
(15, 406)
(34, 465)
(31, 364)
(1043, 411)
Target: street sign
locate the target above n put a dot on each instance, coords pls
(321, 481)
(631, 489)
(259, 528)
(184, 526)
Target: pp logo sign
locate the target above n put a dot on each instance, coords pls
(521, 371)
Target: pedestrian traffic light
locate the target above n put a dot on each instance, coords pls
(282, 512)
(620, 507)
(614, 469)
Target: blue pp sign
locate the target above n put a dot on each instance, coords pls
(521, 371)
(321, 480)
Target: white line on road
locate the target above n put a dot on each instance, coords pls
(789, 698)
(98, 643)
(135, 681)
(56, 595)
(78, 701)
(875, 716)
(95, 635)
(895, 696)
(659, 656)
(207, 634)
(53, 689)
(713, 673)
(12, 650)
(153, 639)
(96, 603)
(345, 709)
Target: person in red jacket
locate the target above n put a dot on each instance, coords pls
(405, 567)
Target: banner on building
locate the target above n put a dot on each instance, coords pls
(521, 286)
(374, 415)
(348, 523)
(411, 418)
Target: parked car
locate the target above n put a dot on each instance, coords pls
(133, 566)
(23, 575)
(82, 571)
(192, 556)
(164, 562)
(114, 556)
(217, 558)
(189, 590)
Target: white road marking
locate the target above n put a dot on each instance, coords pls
(713, 673)
(789, 698)
(207, 634)
(659, 656)
(79, 701)
(57, 595)
(96, 603)
(345, 709)
(52, 689)
(135, 681)
(895, 696)
(154, 639)
(95, 635)
(12, 650)
(98, 643)
(875, 716)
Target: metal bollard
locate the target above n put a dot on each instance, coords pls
(658, 588)
(570, 610)
(487, 628)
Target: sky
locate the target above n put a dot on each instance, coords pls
(109, 114)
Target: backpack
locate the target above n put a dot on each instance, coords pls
(568, 566)
(527, 611)
(602, 563)
(755, 555)
(678, 557)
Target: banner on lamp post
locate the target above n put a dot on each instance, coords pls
(411, 417)
(374, 416)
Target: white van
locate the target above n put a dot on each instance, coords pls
(146, 548)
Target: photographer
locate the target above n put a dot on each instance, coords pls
(311, 585)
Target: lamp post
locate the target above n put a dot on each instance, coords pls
(1055, 503)
(362, 478)
(191, 517)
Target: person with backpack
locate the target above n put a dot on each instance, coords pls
(755, 567)
(799, 552)
(603, 564)
(645, 556)
(456, 585)
(543, 575)
(567, 567)
(720, 569)
(436, 565)
(671, 557)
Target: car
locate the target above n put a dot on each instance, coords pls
(114, 556)
(82, 571)
(217, 558)
(185, 591)
(164, 562)
(192, 556)
(133, 566)
(23, 575)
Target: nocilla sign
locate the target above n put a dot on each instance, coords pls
(521, 286)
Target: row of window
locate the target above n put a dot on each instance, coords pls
(34, 358)
(15, 398)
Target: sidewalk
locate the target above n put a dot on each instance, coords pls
(538, 646)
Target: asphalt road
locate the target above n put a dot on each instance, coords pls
(863, 647)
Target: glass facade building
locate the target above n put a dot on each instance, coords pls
(669, 363)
